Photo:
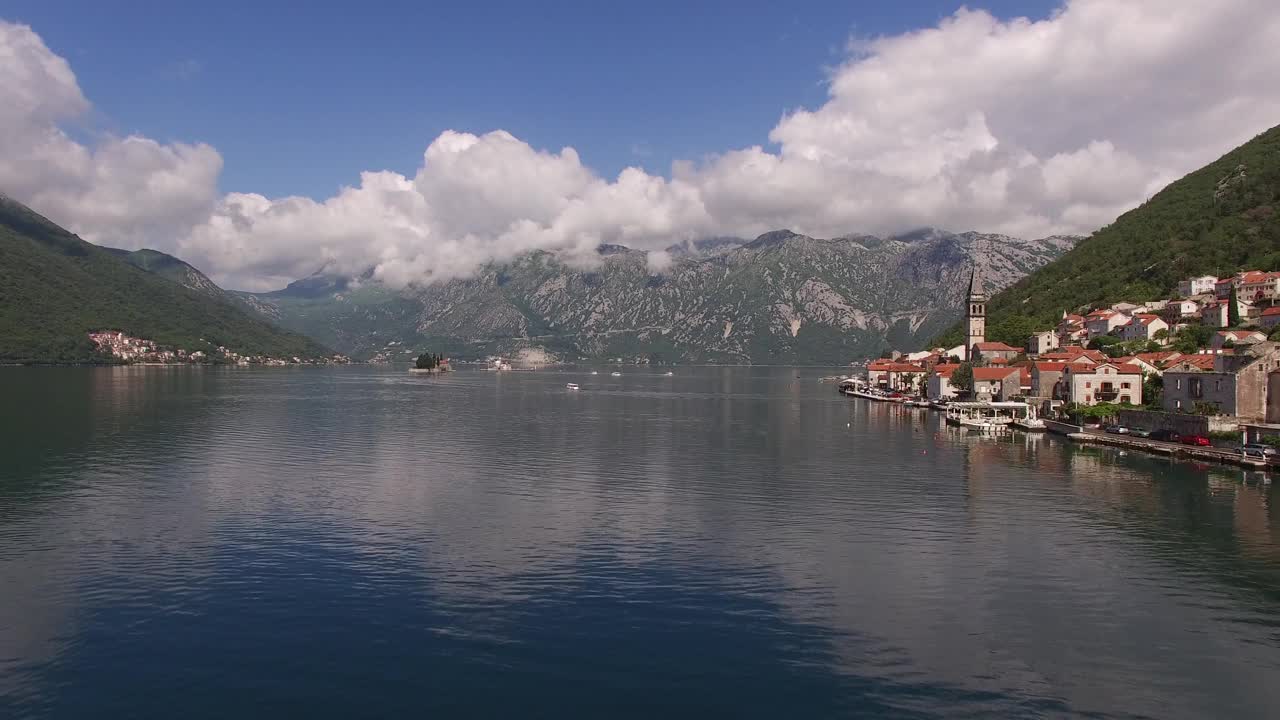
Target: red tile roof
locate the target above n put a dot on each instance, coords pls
(993, 373)
(1202, 362)
(994, 347)
(1050, 366)
(1271, 311)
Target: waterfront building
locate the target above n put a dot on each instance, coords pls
(1103, 383)
(1233, 383)
(939, 384)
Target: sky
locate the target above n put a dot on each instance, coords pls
(261, 142)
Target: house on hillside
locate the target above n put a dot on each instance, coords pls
(1196, 286)
(1269, 317)
(1102, 322)
(1071, 329)
(1146, 367)
(1216, 313)
(1176, 310)
(894, 376)
(1103, 383)
(1235, 338)
(1234, 384)
(1144, 327)
(1043, 342)
(1254, 286)
(1127, 308)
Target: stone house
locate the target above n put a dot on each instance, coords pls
(989, 382)
(1235, 383)
(988, 351)
(1043, 342)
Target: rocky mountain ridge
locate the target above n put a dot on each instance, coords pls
(780, 298)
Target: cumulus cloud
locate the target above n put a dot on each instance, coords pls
(1016, 126)
(124, 191)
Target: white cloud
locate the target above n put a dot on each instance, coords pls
(1024, 127)
(124, 191)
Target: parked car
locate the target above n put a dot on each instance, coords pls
(1117, 429)
(1165, 435)
(1138, 432)
(1197, 440)
(1258, 450)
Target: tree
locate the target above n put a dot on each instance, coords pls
(1204, 408)
(1152, 389)
(1102, 342)
(962, 378)
(427, 361)
(1160, 335)
(1192, 338)
(1233, 309)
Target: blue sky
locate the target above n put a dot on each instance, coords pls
(300, 102)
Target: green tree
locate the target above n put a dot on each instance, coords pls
(1233, 309)
(1192, 338)
(427, 361)
(1102, 342)
(1152, 390)
(962, 378)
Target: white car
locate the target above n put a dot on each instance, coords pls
(1258, 450)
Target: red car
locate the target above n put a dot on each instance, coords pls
(1198, 440)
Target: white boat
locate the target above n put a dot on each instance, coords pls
(571, 386)
(616, 374)
(595, 372)
(669, 373)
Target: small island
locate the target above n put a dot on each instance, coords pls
(430, 363)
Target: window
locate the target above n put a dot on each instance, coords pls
(1124, 386)
(1178, 384)
(1088, 384)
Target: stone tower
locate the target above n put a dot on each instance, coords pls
(975, 317)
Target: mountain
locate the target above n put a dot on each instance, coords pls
(780, 298)
(1220, 219)
(56, 288)
(173, 269)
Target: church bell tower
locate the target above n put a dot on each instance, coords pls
(976, 315)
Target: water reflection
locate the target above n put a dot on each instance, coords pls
(492, 531)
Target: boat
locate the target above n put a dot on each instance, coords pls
(571, 386)
(595, 372)
(669, 373)
(616, 374)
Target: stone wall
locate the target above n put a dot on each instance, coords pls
(1180, 423)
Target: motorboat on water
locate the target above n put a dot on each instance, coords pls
(669, 373)
(595, 372)
(616, 374)
(571, 386)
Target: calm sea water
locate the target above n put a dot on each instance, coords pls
(727, 542)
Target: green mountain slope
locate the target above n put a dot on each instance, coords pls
(55, 288)
(1219, 219)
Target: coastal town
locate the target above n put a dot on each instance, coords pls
(1200, 369)
(127, 349)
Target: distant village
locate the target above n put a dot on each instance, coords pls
(135, 350)
(1205, 352)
